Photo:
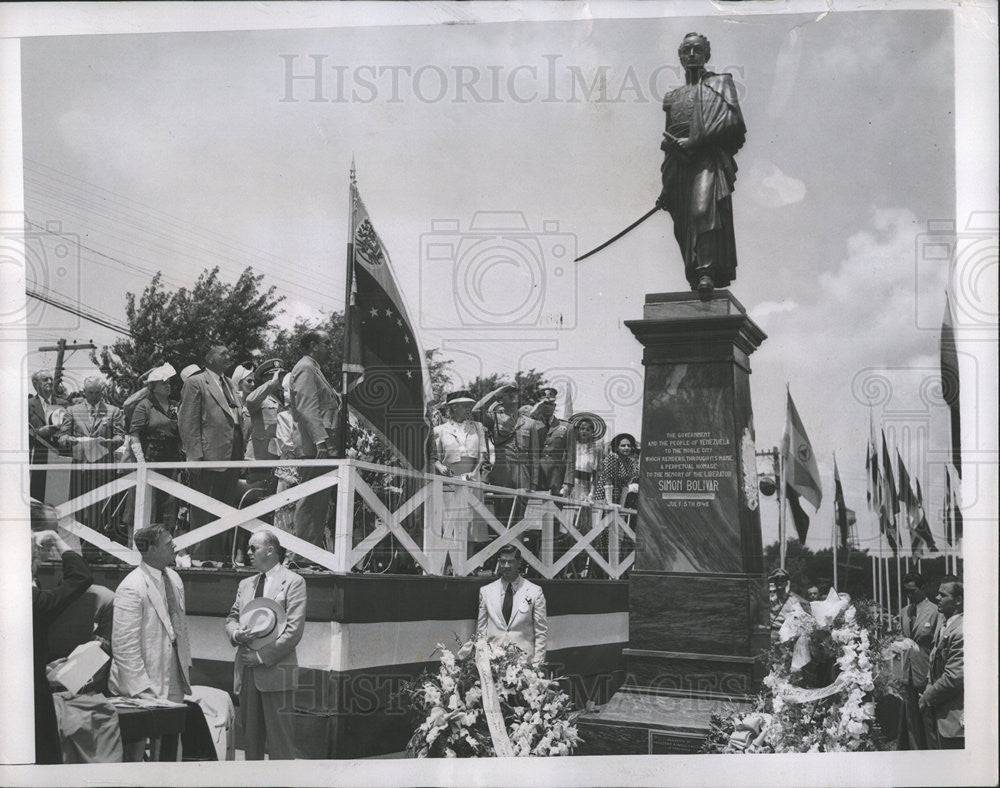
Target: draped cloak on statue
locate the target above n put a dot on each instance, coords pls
(698, 192)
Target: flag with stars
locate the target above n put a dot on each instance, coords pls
(390, 394)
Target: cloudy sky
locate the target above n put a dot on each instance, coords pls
(177, 152)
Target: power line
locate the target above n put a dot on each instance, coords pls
(164, 226)
(79, 311)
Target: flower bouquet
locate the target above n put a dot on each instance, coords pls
(537, 717)
(823, 679)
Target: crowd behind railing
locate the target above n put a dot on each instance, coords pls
(243, 436)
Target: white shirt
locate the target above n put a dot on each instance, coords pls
(454, 441)
(271, 581)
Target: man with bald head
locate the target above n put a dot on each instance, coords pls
(212, 430)
(92, 430)
(42, 432)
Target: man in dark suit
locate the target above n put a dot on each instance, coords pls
(315, 406)
(920, 622)
(93, 429)
(41, 431)
(264, 675)
(943, 702)
(46, 606)
(212, 429)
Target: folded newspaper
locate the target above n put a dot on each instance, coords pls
(144, 703)
(80, 666)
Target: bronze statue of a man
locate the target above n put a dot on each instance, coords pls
(704, 131)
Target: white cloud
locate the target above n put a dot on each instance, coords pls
(770, 187)
(765, 309)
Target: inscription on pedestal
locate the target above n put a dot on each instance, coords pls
(688, 467)
(689, 496)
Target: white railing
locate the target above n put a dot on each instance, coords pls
(431, 537)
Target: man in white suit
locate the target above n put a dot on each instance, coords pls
(264, 677)
(149, 639)
(512, 609)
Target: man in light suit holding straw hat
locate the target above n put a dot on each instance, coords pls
(266, 624)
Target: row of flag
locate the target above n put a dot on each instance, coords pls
(888, 500)
(891, 501)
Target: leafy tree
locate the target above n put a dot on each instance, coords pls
(286, 344)
(807, 568)
(440, 373)
(179, 327)
(528, 382)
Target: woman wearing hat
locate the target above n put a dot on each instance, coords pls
(460, 449)
(156, 437)
(590, 428)
(620, 468)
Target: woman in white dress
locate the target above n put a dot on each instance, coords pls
(462, 450)
(590, 428)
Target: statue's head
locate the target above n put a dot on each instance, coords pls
(694, 50)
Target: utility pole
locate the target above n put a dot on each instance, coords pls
(779, 490)
(60, 348)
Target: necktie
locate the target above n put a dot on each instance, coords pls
(912, 613)
(224, 383)
(179, 626)
(259, 590)
(508, 602)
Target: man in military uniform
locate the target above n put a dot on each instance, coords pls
(516, 437)
(784, 602)
(557, 462)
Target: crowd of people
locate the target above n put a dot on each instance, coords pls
(149, 646)
(930, 656)
(231, 412)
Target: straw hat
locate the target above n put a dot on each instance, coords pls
(265, 619)
(163, 373)
(240, 374)
(599, 425)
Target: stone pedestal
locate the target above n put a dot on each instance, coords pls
(698, 612)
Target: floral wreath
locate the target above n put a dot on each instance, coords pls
(830, 665)
(536, 716)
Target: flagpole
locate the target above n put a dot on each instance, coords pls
(348, 289)
(899, 564)
(781, 509)
(835, 586)
(874, 574)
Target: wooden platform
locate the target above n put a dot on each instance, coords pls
(367, 635)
